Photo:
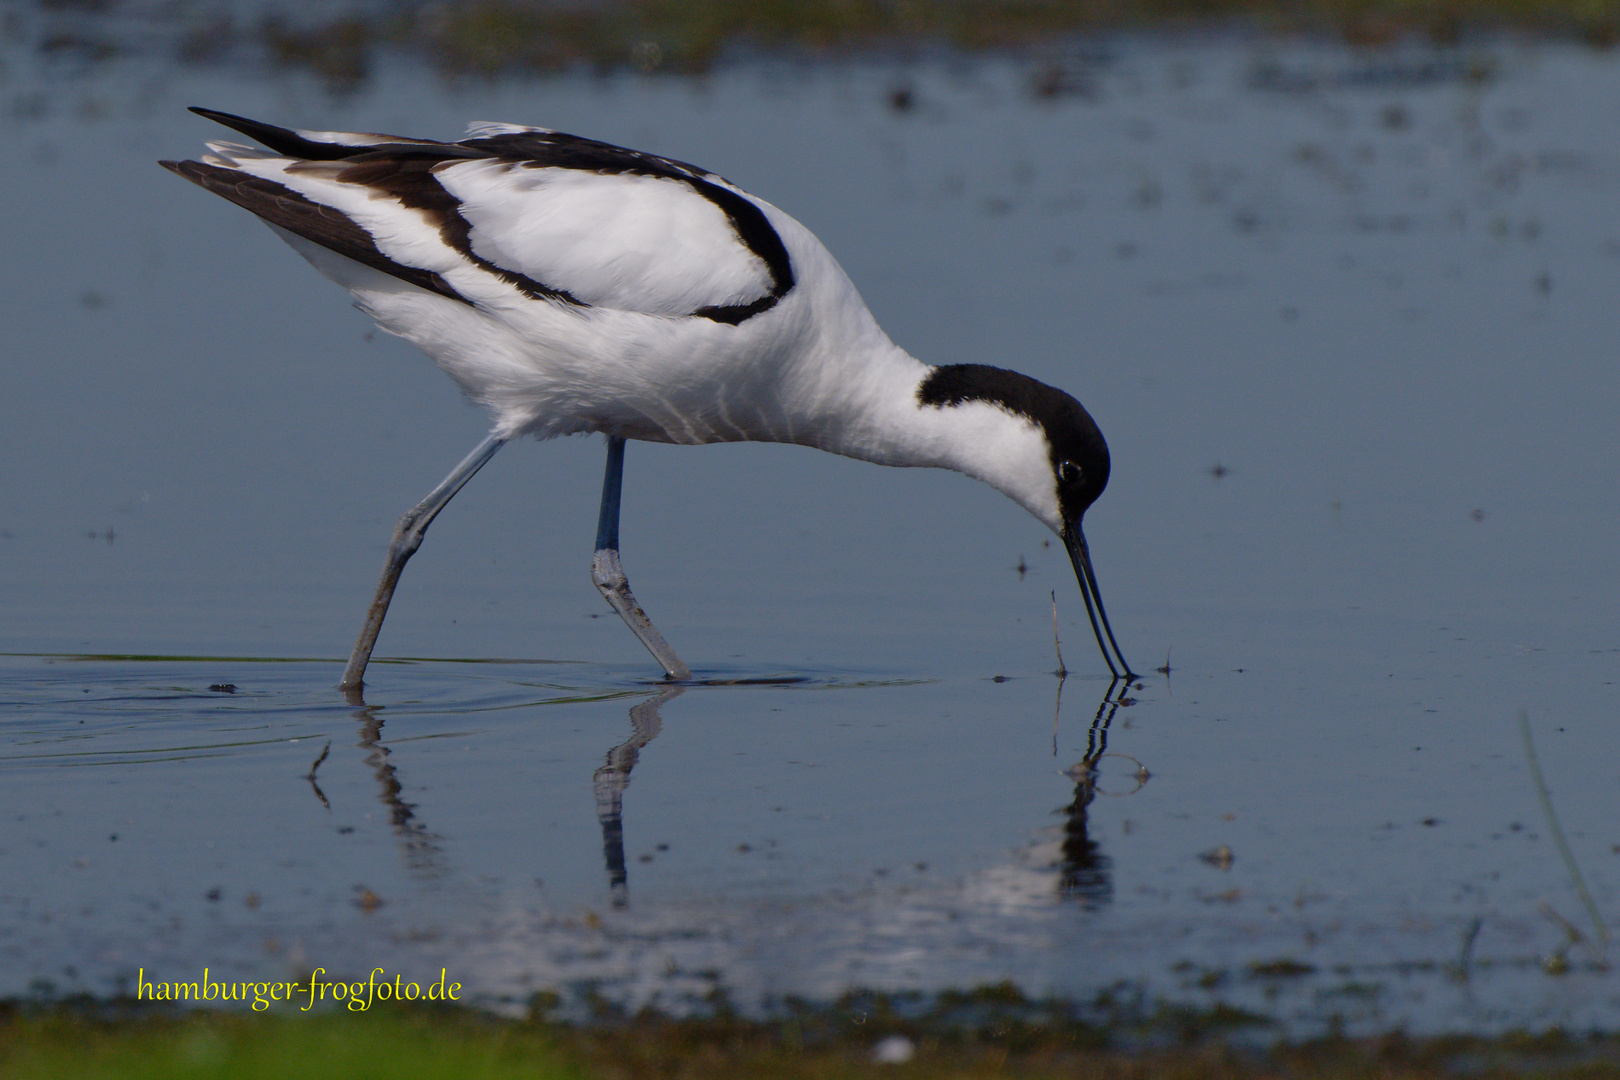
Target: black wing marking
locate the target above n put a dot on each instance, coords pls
(291, 144)
(552, 149)
(404, 169)
(411, 181)
(286, 208)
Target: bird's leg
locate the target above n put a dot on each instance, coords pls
(609, 575)
(407, 538)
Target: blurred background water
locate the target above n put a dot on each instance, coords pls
(1345, 314)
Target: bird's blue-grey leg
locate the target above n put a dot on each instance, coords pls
(407, 538)
(609, 575)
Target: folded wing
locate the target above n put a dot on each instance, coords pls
(511, 216)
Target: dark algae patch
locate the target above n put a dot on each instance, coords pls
(984, 1033)
(1280, 969)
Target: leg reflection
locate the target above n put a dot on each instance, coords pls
(1086, 873)
(613, 777)
(420, 846)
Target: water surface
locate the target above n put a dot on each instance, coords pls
(1345, 318)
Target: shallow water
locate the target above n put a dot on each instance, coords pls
(1346, 320)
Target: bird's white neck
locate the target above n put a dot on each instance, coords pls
(872, 411)
(839, 384)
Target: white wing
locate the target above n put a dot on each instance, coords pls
(651, 244)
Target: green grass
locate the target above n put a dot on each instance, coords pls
(404, 1044)
(96, 1041)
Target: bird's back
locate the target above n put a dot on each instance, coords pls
(568, 284)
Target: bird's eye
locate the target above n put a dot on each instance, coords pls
(1068, 473)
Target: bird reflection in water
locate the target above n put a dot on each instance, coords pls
(613, 777)
(1085, 872)
(423, 854)
(421, 846)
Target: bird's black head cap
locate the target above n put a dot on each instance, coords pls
(1079, 456)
